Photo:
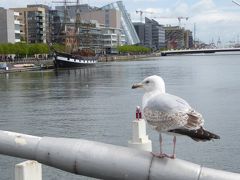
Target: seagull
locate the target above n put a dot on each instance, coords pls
(170, 114)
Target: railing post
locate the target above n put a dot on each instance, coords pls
(139, 139)
(28, 170)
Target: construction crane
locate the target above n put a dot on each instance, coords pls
(147, 12)
(179, 18)
(141, 14)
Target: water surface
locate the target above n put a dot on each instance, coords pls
(98, 104)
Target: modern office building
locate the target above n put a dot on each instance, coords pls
(111, 38)
(109, 21)
(151, 34)
(71, 10)
(148, 39)
(175, 37)
(55, 25)
(17, 25)
(10, 26)
(42, 20)
(100, 29)
(98, 38)
(126, 23)
(113, 15)
(140, 30)
(34, 20)
(158, 35)
(188, 39)
(108, 17)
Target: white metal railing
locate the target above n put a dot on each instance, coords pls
(100, 160)
(104, 161)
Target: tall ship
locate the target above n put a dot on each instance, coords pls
(65, 60)
(76, 38)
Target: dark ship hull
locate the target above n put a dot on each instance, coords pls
(64, 60)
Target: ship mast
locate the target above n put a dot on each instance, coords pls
(75, 35)
(65, 15)
(64, 34)
(77, 27)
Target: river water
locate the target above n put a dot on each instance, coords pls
(98, 104)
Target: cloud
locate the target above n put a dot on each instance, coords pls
(212, 21)
(203, 6)
(181, 9)
(216, 17)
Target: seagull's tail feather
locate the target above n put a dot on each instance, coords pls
(197, 135)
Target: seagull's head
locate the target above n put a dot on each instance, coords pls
(151, 83)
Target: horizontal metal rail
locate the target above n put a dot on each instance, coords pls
(104, 161)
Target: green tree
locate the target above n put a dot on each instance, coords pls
(33, 49)
(58, 47)
(133, 49)
(1, 49)
(21, 49)
(24, 49)
(11, 48)
(5, 49)
(42, 48)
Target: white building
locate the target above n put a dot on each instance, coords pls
(9, 26)
(7, 34)
(112, 38)
(17, 27)
(126, 23)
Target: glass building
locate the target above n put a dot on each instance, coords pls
(126, 23)
(151, 34)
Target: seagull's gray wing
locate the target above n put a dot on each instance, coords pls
(166, 112)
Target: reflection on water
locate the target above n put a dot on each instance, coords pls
(98, 103)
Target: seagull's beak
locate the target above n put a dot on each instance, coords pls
(138, 85)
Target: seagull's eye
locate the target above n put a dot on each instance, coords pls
(147, 82)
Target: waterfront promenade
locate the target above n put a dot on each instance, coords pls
(36, 64)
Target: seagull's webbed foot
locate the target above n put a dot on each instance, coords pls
(160, 155)
(163, 155)
(173, 156)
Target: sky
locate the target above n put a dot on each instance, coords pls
(213, 19)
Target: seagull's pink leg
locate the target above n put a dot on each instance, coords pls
(174, 148)
(161, 154)
(160, 143)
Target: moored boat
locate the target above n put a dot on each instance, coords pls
(65, 60)
(75, 38)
